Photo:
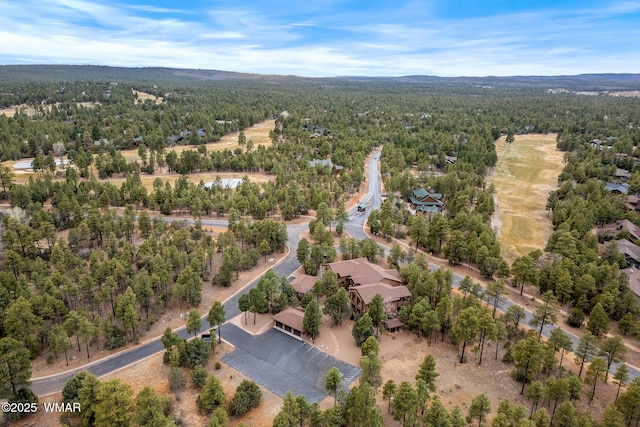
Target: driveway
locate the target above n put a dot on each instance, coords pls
(280, 362)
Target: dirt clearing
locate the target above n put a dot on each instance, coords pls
(526, 172)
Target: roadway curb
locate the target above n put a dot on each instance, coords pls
(84, 367)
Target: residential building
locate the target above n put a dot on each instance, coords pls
(425, 201)
(630, 251)
(303, 284)
(613, 229)
(359, 271)
(394, 297)
(617, 188)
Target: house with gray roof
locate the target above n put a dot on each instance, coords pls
(322, 163)
(630, 251)
(617, 188)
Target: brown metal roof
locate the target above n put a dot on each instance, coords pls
(304, 283)
(363, 272)
(291, 317)
(387, 292)
(393, 323)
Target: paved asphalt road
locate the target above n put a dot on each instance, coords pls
(55, 383)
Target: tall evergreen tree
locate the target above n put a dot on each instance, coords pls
(586, 350)
(427, 372)
(312, 319)
(216, 317)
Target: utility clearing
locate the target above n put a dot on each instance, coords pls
(526, 172)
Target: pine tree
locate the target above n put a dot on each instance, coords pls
(216, 317)
(598, 321)
(193, 322)
(480, 407)
(312, 319)
(545, 314)
(595, 371)
(114, 404)
(333, 382)
(586, 350)
(428, 372)
(376, 311)
(621, 376)
(360, 408)
(211, 396)
(16, 367)
(613, 350)
(288, 415)
(389, 391)
(371, 367)
(362, 329)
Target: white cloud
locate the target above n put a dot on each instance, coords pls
(405, 41)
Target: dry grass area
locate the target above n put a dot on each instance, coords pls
(526, 172)
(143, 96)
(259, 133)
(147, 180)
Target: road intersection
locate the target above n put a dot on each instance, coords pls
(260, 351)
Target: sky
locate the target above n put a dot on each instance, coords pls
(323, 38)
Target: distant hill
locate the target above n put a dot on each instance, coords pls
(160, 75)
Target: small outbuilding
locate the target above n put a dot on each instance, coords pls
(393, 325)
(289, 321)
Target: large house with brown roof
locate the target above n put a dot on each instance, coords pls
(613, 229)
(359, 271)
(364, 280)
(394, 297)
(303, 284)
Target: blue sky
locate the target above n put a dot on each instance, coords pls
(329, 37)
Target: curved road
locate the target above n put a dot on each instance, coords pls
(54, 383)
(355, 226)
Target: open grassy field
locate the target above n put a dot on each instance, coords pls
(526, 172)
(259, 133)
(147, 180)
(143, 96)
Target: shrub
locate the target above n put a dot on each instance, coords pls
(24, 396)
(197, 352)
(116, 339)
(247, 396)
(576, 318)
(199, 376)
